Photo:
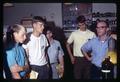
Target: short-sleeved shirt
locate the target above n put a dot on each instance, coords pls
(78, 38)
(16, 55)
(55, 51)
(98, 50)
(36, 49)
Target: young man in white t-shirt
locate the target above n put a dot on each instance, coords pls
(35, 47)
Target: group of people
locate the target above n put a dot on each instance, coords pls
(89, 49)
(43, 54)
(35, 52)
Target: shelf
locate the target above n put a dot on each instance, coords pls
(72, 11)
(106, 17)
(111, 20)
(26, 22)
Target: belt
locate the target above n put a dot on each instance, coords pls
(54, 63)
(79, 57)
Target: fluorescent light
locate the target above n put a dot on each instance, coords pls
(68, 3)
(8, 4)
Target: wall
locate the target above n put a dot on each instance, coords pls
(104, 7)
(52, 11)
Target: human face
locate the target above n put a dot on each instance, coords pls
(20, 36)
(82, 26)
(101, 28)
(38, 27)
(49, 34)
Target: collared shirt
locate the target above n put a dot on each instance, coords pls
(36, 48)
(55, 51)
(16, 55)
(98, 50)
(78, 38)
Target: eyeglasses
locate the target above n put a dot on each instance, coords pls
(102, 27)
(41, 24)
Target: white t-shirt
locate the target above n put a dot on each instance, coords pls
(36, 50)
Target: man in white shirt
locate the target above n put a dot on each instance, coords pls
(35, 48)
(78, 38)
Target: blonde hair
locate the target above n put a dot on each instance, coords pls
(9, 34)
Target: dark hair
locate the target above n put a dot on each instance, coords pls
(51, 30)
(38, 19)
(97, 20)
(10, 41)
(80, 19)
(48, 29)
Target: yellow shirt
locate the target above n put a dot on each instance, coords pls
(78, 38)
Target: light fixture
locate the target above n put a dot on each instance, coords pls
(68, 3)
(8, 4)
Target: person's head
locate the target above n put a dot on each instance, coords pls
(102, 27)
(38, 24)
(16, 34)
(97, 20)
(49, 34)
(81, 22)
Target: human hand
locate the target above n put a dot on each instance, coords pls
(89, 58)
(60, 69)
(114, 36)
(26, 67)
(72, 60)
(16, 68)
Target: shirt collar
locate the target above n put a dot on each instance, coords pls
(35, 36)
(52, 41)
(18, 44)
(107, 37)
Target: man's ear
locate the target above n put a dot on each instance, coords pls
(15, 34)
(34, 24)
(108, 29)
